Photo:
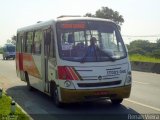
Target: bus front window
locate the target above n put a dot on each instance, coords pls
(11, 48)
(74, 40)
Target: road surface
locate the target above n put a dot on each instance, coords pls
(144, 99)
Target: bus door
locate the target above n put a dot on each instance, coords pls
(19, 55)
(47, 44)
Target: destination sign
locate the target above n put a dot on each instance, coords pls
(75, 26)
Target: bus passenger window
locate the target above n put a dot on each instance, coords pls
(29, 42)
(37, 42)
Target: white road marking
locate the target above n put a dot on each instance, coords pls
(138, 103)
(141, 82)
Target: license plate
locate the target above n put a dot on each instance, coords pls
(101, 92)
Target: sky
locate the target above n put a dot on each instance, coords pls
(142, 18)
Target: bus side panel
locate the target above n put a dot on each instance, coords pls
(30, 66)
(19, 63)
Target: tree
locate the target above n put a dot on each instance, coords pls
(158, 43)
(1, 50)
(156, 53)
(107, 13)
(9, 41)
(144, 47)
(89, 15)
(140, 47)
(13, 39)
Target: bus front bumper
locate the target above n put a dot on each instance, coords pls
(69, 96)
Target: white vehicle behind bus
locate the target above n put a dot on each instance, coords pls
(56, 58)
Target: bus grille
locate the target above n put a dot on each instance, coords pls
(99, 84)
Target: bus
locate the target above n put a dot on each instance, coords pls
(53, 57)
(9, 51)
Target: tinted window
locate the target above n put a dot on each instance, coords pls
(11, 48)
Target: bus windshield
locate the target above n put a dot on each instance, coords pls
(10, 48)
(75, 41)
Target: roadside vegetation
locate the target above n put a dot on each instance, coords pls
(141, 58)
(5, 110)
(144, 51)
(1, 51)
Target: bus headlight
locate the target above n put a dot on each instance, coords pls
(67, 83)
(128, 78)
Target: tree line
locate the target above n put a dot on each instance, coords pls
(144, 47)
(107, 13)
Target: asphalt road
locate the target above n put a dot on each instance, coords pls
(144, 99)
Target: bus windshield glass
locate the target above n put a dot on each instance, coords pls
(89, 41)
(10, 48)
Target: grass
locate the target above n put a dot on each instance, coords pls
(141, 58)
(5, 113)
(1, 50)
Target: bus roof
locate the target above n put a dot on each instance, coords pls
(8, 45)
(82, 18)
(40, 24)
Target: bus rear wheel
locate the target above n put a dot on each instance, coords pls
(116, 101)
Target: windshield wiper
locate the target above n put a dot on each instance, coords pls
(98, 54)
(92, 50)
(110, 56)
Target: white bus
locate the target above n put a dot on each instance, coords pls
(54, 57)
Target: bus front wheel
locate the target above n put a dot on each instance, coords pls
(55, 95)
(56, 98)
(116, 101)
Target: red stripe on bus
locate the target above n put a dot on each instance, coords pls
(73, 73)
(30, 66)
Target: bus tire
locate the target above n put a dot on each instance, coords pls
(28, 83)
(116, 101)
(55, 95)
